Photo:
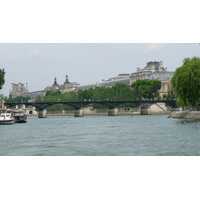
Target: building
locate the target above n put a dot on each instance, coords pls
(121, 78)
(65, 87)
(18, 89)
(152, 71)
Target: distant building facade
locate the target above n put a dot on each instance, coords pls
(152, 71)
(65, 87)
(18, 89)
(121, 78)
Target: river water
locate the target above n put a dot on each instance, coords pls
(137, 135)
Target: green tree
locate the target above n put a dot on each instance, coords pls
(58, 96)
(69, 96)
(122, 92)
(186, 82)
(2, 80)
(19, 99)
(85, 94)
(52, 95)
(2, 97)
(146, 89)
(170, 96)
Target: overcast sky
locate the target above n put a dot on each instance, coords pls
(39, 63)
(92, 40)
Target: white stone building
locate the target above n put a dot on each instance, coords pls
(154, 70)
(18, 89)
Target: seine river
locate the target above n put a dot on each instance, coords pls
(137, 135)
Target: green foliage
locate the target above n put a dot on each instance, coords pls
(147, 89)
(2, 80)
(58, 96)
(118, 92)
(19, 99)
(170, 96)
(181, 103)
(186, 82)
(69, 96)
(99, 94)
(39, 98)
(2, 97)
(85, 94)
(122, 92)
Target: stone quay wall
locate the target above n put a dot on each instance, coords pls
(185, 114)
(155, 109)
(91, 111)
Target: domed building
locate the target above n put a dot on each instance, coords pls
(154, 70)
(65, 87)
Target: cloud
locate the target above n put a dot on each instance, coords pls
(154, 47)
(35, 51)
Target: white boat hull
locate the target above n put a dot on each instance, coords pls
(7, 122)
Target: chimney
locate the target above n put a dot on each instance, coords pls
(26, 87)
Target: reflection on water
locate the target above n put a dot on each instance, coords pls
(188, 121)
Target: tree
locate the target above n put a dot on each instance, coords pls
(170, 96)
(186, 82)
(122, 92)
(146, 88)
(85, 94)
(52, 95)
(2, 80)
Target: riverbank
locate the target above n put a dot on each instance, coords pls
(185, 114)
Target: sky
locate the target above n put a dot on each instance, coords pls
(86, 63)
(92, 40)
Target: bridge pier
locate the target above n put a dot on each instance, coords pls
(42, 113)
(23, 106)
(145, 111)
(79, 113)
(113, 112)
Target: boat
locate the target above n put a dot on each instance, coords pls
(7, 118)
(20, 117)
